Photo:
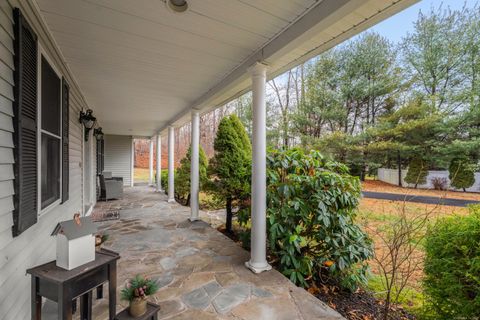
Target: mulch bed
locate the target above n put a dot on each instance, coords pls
(359, 305)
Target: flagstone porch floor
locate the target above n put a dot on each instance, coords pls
(200, 271)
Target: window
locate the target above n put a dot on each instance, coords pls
(50, 135)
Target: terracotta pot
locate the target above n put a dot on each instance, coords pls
(137, 307)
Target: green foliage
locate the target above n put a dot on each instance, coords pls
(461, 173)
(351, 98)
(414, 130)
(138, 288)
(164, 180)
(311, 205)
(452, 266)
(417, 172)
(434, 54)
(182, 175)
(230, 167)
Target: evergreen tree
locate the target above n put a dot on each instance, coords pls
(414, 130)
(230, 167)
(182, 175)
(461, 173)
(417, 172)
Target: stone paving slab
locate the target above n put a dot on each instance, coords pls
(200, 271)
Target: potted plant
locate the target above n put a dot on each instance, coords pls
(136, 292)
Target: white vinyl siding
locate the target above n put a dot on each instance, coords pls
(118, 157)
(34, 246)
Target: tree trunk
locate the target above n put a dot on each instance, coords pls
(228, 223)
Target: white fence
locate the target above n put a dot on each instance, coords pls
(391, 176)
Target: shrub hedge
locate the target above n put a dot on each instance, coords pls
(452, 266)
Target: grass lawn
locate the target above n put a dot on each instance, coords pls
(141, 174)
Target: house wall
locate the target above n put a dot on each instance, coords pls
(118, 157)
(391, 176)
(34, 246)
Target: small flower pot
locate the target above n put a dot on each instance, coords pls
(138, 307)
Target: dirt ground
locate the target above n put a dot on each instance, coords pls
(380, 186)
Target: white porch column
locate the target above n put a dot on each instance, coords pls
(194, 166)
(258, 253)
(150, 163)
(171, 168)
(159, 163)
(132, 164)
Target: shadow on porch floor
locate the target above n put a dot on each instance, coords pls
(200, 271)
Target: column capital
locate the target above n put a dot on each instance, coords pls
(258, 69)
(195, 112)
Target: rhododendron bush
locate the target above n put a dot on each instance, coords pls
(310, 219)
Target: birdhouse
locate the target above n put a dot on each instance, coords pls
(75, 242)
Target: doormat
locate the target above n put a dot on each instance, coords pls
(98, 216)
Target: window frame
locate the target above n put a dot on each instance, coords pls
(43, 54)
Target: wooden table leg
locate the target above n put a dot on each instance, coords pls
(100, 291)
(36, 300)
(74, 306)
(86, 306)
(112, 289)
(64, 303)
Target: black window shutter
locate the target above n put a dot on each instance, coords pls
(25, 125)
(65, 131)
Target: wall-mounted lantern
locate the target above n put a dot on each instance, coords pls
(98, 133)
(88, 121)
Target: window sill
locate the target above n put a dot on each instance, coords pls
(49, 208)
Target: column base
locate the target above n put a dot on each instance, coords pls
(159, 190)
(171, 201)
(258, 267)
(193, 219)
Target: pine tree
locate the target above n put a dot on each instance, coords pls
(230, 167)
(417, 172)
(182, 175)
(461, 173)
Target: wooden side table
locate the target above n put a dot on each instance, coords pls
(151, 314)
(63, 286)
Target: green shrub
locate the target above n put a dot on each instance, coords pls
(182, 175)
(417, 172)
(164, 180)
(230, 167)
(311, 205)
(461, 173)
(452, 266)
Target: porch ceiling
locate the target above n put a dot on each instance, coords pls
(142, 67)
